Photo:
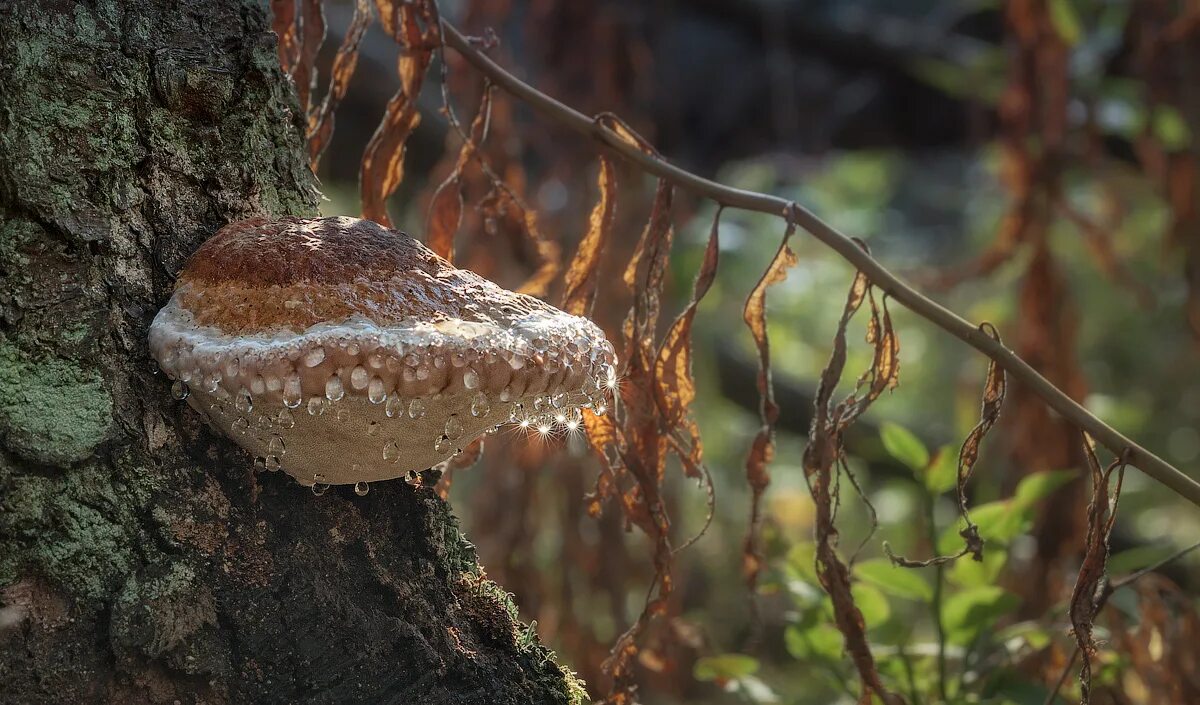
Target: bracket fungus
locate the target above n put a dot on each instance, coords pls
(343, 352)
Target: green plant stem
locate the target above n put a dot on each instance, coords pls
(938, 584)
(849, 249)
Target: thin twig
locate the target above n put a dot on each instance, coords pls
(926, 308)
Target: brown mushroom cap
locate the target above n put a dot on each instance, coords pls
(345, 352)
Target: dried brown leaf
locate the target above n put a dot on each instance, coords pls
(822, 459)
(382, 167)
(321, 120)
(446, 206)
(286, 23)
(1087, 596)
(762, 448)
(613, 123)
(581, 279)
(312, 36)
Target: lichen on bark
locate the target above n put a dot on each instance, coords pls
(140, 558)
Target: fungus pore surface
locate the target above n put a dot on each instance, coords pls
(343, 352)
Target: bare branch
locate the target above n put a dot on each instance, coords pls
(879, 275)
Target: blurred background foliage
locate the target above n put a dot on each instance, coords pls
(922, 128)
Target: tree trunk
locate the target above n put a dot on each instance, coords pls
(140, 557)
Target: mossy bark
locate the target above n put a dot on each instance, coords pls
(140, 558)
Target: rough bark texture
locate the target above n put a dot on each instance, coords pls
(140, 559)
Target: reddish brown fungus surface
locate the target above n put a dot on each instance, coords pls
(342, 352)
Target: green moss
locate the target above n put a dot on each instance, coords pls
(70, 529)
(51, 411)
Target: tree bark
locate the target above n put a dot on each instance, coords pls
(141, 559)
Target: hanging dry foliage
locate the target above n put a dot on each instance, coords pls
(446, 207)
(1086, 598)
(321, 118)
(823, 458)
(415, 27)
(762, 448)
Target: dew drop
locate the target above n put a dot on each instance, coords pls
(319, 488)
(314, 357)
(454, 427)
(359, 378)
(240, 425)
(179, 389)
(540, 344)
(470, 379)
(412, 478)
(273, 464)
(480, 405)
(506, 394)
(232, 367)
(333, 389)
(276, 445)
(375, 361)
(391, 452)
(212, 382)
(443, 444)
(558, 400)
(539, 404)
(375, 391)
(343, 415)
(244, 402)
(317, 406)
(285, 419)
(291, 391)
(372, 429)
(361, 488)
(260, 464)
(394, 406)
(416, 409)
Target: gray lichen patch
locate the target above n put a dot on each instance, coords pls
(51, 411)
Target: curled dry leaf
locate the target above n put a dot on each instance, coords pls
(414, 27)
(822, 458)
(1086, 597)
(312, 36)
(614, 124)
(581, 278)
(995, 387)
(445, 209)
(762, 448)
(321, 119)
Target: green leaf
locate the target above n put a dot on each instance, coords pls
(802, 562)
(822, 641)
(971, 573)
(893, 580)
(724, 667)
(1135, 559)
(1065, 21)
(942, 475)
(904, 446)
(1040, 485)
(967, 613)
(872, 603)
(999, 522)
(1170, 128)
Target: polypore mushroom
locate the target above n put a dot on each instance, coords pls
(343, 352)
